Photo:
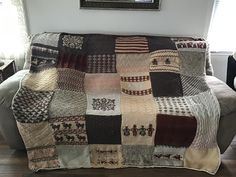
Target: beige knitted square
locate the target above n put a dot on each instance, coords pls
(45, 80)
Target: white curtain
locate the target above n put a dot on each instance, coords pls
(13, 31)
(222, 33)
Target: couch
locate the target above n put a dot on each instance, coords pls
(225, 95)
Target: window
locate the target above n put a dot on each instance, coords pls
(13, 34)
(222, 32)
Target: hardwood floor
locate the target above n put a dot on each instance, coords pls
(14, 164)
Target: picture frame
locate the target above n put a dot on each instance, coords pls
(121, 4)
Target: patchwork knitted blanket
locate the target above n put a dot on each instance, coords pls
(107, 101)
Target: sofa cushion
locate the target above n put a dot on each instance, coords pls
(225, 95)
(9, 87)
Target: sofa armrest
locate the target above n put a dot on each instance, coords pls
(9, 87)
(225, 95)
(8, 126)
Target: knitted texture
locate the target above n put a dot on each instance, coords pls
(108, 101)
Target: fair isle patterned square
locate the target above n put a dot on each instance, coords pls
(165, 61)
(193, 85)
(168, 156)
(72, 156)
(31, 106)
(140, 155)
(131, 45)
(103, 63)
(43, 57)
(142, 104)
(132, 63)
(109, 156)
(138, 129)
(45, 80)
(36, 134)
(67, 103)
(173, 106)
(103, 104)
(45, 157)
(69, 79)
(69, 130)
(137, 84)
(191, 45)
(102, 83)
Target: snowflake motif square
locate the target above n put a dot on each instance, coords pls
(138, 129)
(106, 156)
(103, 129)
(72, 41)
(103, 104)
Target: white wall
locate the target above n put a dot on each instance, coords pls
(177, 17)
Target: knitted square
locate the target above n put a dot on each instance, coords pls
(31, 106)
(43, 157)
(165, 61)
(166, 84)
(69, 130)
(193, 85)
(173, 106)
(45, 80)
(138, 129)
(103, 104)
(132, 63)
(140, 155)
(102, 63)
(36, 134)
(43, 57)
(137, 84)
(69, 79)
(102, 83)
(131, 45)
(106, 155)
(176, 131)
(160, 43)
(103, 129)
(67, 103)
(141, 104)
(168, 156)
(74, 156)
(192, 63)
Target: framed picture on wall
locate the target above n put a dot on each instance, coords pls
(121, 4)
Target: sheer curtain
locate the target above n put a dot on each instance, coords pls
(13, 31)
(222, 33)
